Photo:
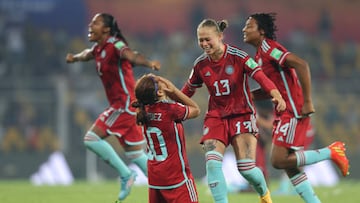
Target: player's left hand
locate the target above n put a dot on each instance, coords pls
(280, 104)
(155, 65)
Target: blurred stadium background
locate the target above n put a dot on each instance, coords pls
(46, 105)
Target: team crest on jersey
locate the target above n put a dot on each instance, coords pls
(229, 69)
(205, 130)
(103, 54)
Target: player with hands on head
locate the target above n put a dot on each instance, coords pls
(161, 110)
(291, 75)
(114, 63)
(231, 116)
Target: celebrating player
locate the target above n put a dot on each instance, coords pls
(161, 109)
(114, 61)
(291, 75)
(230, 118)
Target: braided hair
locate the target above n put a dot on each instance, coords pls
(109, 21)
(266, 22)
(146, 94)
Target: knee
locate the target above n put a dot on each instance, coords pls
(90, 137)
(278, 163)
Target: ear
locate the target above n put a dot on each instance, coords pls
(262, 32)
(106, 30)
(160, 93)
(221, 36)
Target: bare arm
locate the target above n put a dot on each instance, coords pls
(303, 72)
(138, 59)
(85, 55)
(176, 95)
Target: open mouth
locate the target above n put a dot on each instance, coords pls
(207, 49)
(90, 33)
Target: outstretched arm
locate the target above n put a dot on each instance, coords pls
(85, 55)
(138, 59)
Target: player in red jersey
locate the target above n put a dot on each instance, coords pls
(291, 75)
(114, 61)
(161, 109)
(230, 118)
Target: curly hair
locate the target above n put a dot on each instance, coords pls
(266, 22)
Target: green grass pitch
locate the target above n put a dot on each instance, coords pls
(106, 191)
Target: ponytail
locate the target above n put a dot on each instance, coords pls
(110, 21)
(146, 89)
(141, 115)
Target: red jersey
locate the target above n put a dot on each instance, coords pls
(226, 81)
(115, 73)
(271, 57)
(168, 165)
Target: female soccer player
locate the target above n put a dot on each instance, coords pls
(114, 61)
(161, 109)
(230, 118)
(291, 75)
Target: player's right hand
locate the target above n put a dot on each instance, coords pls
(70, 58)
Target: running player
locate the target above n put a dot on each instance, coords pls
(230, 118)
(291, 74)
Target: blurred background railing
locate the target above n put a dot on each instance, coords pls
(46, 105)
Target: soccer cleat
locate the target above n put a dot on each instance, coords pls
(338, 156)
(266, 198)
(126, 184)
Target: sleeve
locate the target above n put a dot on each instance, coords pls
(266, 84)
(192, 83)
(188, 90)
(179, 111)
(255, 72)
(277, 53)
(120, 46)
(251, 67)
